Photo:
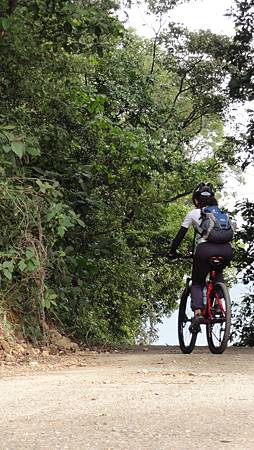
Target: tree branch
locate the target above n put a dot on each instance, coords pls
(180, 91)
(181, 88)
(12, 4)
(154, 55)
(155, 46)
(173, 199)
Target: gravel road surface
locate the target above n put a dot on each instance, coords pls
(154, 398)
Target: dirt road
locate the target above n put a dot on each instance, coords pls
(156, 399)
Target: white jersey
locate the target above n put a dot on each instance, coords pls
(193, 218)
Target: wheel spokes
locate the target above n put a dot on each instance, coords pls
(221, 333)
(218, 327)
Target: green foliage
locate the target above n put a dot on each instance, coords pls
(243, 322)
(102, 137)
(29, 232)
(241, 88)
(240, 66)
(244, 312)
(245, 254)
(241, 51)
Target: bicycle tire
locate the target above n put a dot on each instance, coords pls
(184, 321)
(218, 344)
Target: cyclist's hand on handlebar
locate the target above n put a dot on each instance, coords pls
(188, 255)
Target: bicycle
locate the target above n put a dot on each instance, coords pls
(216, 314)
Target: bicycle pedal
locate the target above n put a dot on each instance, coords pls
(195, 330)
(195, 327)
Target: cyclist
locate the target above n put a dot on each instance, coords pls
(203, 196)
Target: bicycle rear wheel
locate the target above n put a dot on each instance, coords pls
(187, 339)
(218, 328)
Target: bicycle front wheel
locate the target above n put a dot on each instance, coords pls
(187, 339)
(218, 327)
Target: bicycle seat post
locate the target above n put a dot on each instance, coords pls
(217, 263)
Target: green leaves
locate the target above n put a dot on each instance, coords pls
(27, 263)
(61, 218)
(97, 105)
(7, 268)
(7, 127)
(49, 188)
(18, 148)
(5, 23)
(49, 298)
(19, 144)
(33, 151)
(22, 265)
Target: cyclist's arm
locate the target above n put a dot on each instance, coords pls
(178, 239)
(187, 222)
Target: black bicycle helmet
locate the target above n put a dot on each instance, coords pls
(202, 190)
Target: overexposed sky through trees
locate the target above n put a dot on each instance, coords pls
(195, 15)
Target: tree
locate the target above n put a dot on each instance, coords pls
(241, 89)
(244, 313)
(240, 59)
(102, 135)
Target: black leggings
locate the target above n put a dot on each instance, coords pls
(201, 268)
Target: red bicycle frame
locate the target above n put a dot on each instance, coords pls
(209, 285)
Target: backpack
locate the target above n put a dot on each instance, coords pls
(216, 226)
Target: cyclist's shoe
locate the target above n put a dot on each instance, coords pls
(196, 321)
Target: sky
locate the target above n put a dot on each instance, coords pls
(198, 14)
